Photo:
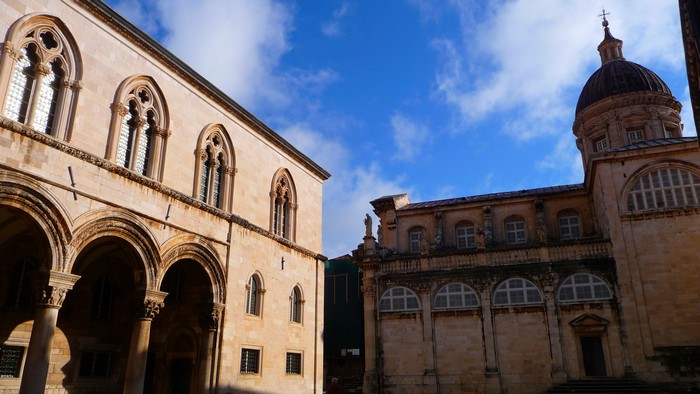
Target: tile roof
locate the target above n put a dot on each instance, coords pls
(653, 143)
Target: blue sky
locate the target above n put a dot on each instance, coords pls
(434, 98)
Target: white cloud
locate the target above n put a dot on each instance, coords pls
(409, 137)
(527, 56)
(333, 28)
(687, 115)
(564, 161)
(347, 193)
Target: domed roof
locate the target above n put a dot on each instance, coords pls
(618, 77)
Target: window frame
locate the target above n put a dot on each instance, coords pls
(283, 205)
(661, 184)
(635, 135)
(289, 370)
(593, 285)
(568, 215)
(508, 287)
(254, 295)
(519, 235)
(601, 144)
(215, 159)
(244, 365)
(462, 293)
(18, 362)
(60, 112)
(469, 236)
(407, 295)
(93, 361)
(414, 240)
(296, 302)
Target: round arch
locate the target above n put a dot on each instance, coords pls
(201, 253)
(125, 226)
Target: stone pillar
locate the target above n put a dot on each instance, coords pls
(430, 373)
(491, 372)
(558, 370)
(51, 288)
(209, 322)
(370, 383)
(146, 309)
(41, 70)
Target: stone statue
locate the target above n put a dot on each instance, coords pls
(380, 235)
(368, 225)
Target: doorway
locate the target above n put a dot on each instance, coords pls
(593, 356)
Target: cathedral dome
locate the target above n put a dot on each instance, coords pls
(619, 76)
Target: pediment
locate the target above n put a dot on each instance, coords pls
(589, 320)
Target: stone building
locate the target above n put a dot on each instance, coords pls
(154, 235)
(520, 291)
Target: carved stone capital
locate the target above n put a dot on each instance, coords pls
(42, 68)
(9, 48)
(149, 306)
(202, 154)
(140, 122)
(161, 132)
(77, 86)
(119, 108)
(51, 288)
(230, 170)
(210, 315)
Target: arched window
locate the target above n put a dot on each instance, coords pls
(516, 291)
(569, 225)
(283, 205)
(455, 296)
(464, 236)
(253, 296)
(19, 295)
(102, 295)
(515, 230)
(43, 68)
(664, 188)
(398, 299)
(139, 127)
(295, 302)
(215, 167)
(584, 287)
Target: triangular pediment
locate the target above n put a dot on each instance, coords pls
(589, 320)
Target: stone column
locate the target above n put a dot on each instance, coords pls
(370, 383)
(430, 372)
(209, 322)
(491, 371)
(41, 70)
(51, 288)
(146, 309)
(558, 370)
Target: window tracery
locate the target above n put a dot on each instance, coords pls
(215, 168)
(516, 291)
(283, 201)
(43, 69)
(399, 299)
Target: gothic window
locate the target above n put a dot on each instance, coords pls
(414, 238)
(20, 290)
(569, 225)
(661, 188)
(464, 234)
(398, 299)
(516, 291)
(250, 361)
(295, 303)
(584, 287)
(214, 183)
(253, 296)
(455, 296)
(515, 231)
(283, 202)
(293, 366)
(44, 71)
(138, 132)
(102, 298)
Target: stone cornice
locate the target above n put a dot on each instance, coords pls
(104, 13)
(114, 168)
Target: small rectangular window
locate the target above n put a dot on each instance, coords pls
(465, 237)
(634, 136)
(601, 145)
(293, 364)
(515, 232)
(95, 365)
(250, 361)
(569, 227)
(10, 361)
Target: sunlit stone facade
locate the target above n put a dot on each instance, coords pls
(154, 235)
(517, 292)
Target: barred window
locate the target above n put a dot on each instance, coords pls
(250, 361)
(455, 296)
(293, 364)
(664, 188)
(398, 299)
(10, 361)
(584, 287)
(465, 236)
(95, 365)
(516, 291)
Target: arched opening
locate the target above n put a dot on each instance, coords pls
(181, 341)
(97, 315)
